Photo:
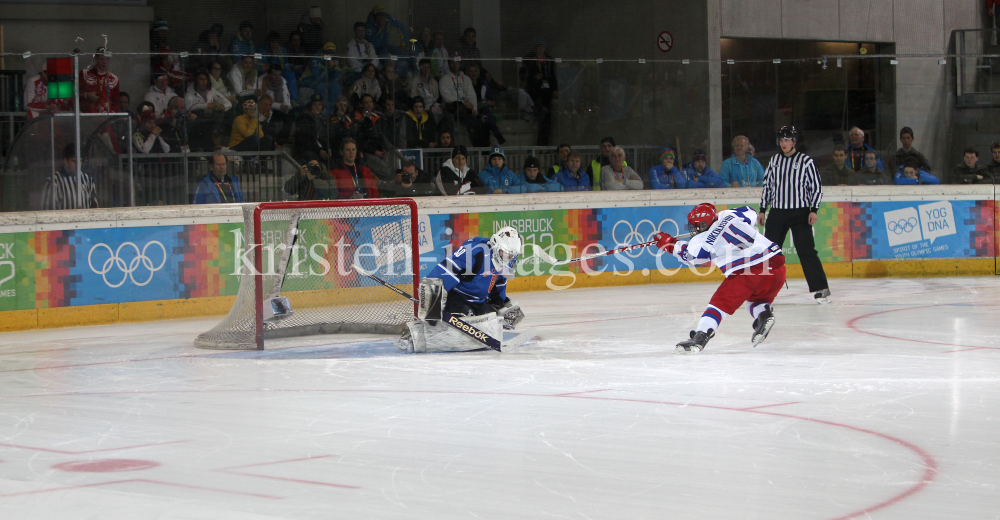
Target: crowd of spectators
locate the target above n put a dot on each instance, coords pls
(342, 116)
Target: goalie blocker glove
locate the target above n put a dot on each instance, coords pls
(511, 313)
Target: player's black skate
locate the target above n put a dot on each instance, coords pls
(822, 297)
(696, 343)
(761, 326)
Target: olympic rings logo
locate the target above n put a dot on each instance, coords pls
(638, 234)
(127, 269)
(903, 225)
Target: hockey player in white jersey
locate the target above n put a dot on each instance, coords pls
(753, 266)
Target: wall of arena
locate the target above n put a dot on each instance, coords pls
(67, 268)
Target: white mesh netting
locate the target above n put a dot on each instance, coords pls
(326, 294)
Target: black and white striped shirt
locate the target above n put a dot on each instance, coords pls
(61, 193)
(790, 183)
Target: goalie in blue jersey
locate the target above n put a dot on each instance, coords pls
(463, 303)
(473, 280)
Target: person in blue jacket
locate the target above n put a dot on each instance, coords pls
(322, 75)
(534, 181)
(573, 177)
(697, 174)
(379, 28)
(497, 178)
(912, 174)
(475, 276)
(663, 175)
(215, 187)
(741, 170)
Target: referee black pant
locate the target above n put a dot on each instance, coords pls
(779, 222)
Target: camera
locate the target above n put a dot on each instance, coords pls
(315, 169)
(406, 178)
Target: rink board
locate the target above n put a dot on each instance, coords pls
(134, 264)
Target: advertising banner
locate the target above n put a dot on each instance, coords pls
(77, 267)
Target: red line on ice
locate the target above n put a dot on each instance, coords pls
(852, 324)
(567, 394)
(63, 452)
(147, 481)
(300, 481)
(765, 406)
(929, 464)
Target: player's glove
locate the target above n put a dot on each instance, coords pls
(665, 242)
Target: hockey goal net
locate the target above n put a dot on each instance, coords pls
(306, 252)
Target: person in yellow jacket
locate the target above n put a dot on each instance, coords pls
(605, 159)
(247, 135)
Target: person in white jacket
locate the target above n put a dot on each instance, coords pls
(457, 88)
(458, 98)
(366, 84)
(274, 85)
(243, 77)
(160, 93)
(360, 50)
(202, 97)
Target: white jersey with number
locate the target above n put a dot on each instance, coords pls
(732, 242)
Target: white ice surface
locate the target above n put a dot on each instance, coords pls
(883, 405)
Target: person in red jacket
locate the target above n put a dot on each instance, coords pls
(354, 181)
(99, 89)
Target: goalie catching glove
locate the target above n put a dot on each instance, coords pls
(665, 242)
(511, 313)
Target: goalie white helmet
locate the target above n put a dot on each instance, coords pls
(505, 245)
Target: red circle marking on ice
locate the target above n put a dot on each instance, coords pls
(106, 465)
(929, 464)
(665, 41)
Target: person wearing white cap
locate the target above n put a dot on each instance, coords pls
(311, 30)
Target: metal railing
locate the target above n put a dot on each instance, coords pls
(171, 178)
(977, 68)
(10, 124)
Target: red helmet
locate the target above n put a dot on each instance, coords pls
(702, 216)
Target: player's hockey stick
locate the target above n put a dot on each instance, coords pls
(541, 256)
(450, 319)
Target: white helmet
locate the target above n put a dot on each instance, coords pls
(506, 245)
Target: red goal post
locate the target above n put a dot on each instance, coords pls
(305, 252)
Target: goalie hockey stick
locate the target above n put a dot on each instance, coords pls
(542, 256)
(385, 284)
(450, 319)
(276, 307)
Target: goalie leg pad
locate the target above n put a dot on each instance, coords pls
(439, 336)
(511, 313)
(432, 297)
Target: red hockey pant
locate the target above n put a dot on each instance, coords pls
(759, 283)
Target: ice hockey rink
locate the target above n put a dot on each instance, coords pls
(884, 404)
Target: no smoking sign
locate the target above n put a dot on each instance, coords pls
(665, 41)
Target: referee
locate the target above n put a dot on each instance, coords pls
(793, 191)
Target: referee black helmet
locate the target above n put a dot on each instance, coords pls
(788, 132)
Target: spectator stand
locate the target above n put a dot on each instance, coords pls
(643, 157)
